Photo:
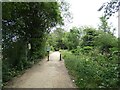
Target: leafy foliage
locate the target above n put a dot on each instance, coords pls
(91, 55)
(62, 39)
(88, 38)
(104, 26)
(106, 41)
(55, 39)
(93, 63)
(26, 23)
(96, 71)
(110, 8)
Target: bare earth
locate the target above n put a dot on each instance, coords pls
(45, 74)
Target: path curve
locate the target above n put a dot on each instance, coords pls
(45, 74)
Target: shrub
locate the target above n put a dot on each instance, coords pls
(90, 73)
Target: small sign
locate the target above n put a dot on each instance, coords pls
(29, 46)
(48, 48)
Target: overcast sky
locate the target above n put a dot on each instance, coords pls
(85, 13)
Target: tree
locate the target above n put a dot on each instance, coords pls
(23, 24)
(89, 37)
(110, 8)
(62, 39)
(104, 26)
(74, 38)
(105, 41)
(56, 39)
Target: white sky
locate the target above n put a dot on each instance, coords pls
(85, 13)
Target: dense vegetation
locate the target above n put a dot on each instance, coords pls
(25, 27)
(90, 54)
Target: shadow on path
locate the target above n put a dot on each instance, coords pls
(45, 74)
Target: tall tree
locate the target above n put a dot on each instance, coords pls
(26, 23)
(89, 37)
(74, 38)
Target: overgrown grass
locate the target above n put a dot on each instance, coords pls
(92, 72)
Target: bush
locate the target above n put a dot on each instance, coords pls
(92, 73)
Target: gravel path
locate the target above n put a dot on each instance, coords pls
(45, 74)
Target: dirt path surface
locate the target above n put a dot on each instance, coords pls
(45, 74)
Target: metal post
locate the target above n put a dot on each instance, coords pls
(48, 55)
(60, 57)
